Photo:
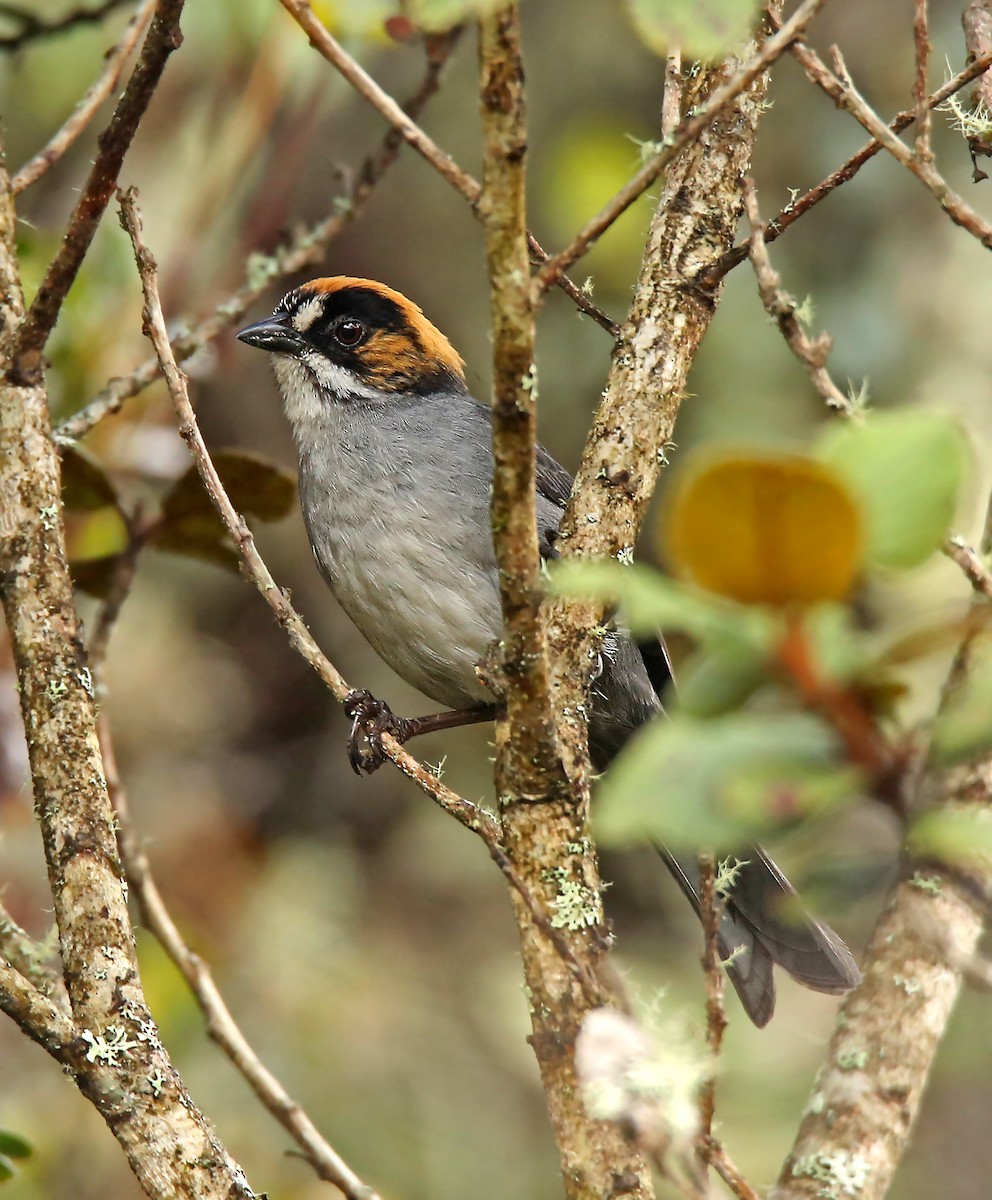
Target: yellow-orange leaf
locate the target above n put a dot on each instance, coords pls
(765, 529)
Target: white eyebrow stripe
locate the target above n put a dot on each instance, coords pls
(307, 313)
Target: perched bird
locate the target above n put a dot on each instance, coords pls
(395, 473)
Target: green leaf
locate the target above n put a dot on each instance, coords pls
(256, 486)
(959, 836)
(721, 677)
(650, 602)
(720, 782)
(85, 486)
(7, 1169)
(906, 470)
(14, 1146)
(705, 29)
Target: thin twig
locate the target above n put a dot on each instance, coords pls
(844, 174)
(781, 307)
(713, 1151)
(162, 38)
(971, 562)
(840, 88)
(28, 956)
(921, 40)
(220, 1024)
(306, 249)
(34, 29)
(87, 108)
(689, 129)
(470, 815)
(443, 163)
(710, 906)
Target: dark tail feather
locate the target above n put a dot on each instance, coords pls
(764, 923)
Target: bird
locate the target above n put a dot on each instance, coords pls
(395, 471)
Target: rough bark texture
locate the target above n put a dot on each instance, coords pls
(866, 1097)
(543, 828)
(116, 1056)
(693, 227)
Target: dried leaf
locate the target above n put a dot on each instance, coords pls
(85, 486)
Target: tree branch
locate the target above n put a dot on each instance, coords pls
(782, 308)
(34, 29)
(87, 108)
(163, 37)
(844, 174)
(688, 131)
(126, 1071)
(845, 95)
(308, 248)
(442, 162)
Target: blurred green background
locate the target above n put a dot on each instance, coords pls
(363, 940)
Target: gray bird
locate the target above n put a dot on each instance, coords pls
(395, 473)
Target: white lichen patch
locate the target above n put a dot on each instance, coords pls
(108, 1047)
(841, 1173)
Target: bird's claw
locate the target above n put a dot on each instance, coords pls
(370, 719)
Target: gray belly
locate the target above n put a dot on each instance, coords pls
(402, 575)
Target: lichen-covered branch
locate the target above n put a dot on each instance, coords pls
(118, 1059)
(694, 225)
(543, 827)
(867, 1094)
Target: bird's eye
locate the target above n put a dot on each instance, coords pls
(349, 333)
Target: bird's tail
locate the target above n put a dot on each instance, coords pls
(763, 922)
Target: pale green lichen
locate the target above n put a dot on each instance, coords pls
(727, 873)
(576, 906)
(156, 1081)
(974, 124)
(55, 689)
(926, 883)
(854, 1059)
(841, 1173)
(109, 1046)
(49, 515)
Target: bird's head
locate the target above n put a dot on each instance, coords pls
(343, 339)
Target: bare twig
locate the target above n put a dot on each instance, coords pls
(844, 174)
(470, 815)
(714, 1153)
(162, 38)
(688, 131)
(306, 249)
(710, 906)
(972, 563)
(220, 1024)
(843, 92)
(87, 108)
(443, 163)
(33, 29)
(921, 39)
(38, 1016)
(782, 308)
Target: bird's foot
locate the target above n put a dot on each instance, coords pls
(370, 719)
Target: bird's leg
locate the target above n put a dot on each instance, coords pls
(371, 718)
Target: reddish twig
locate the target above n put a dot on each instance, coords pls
(163, 37)
(781, 307)
(87, 108)
(976, 21)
